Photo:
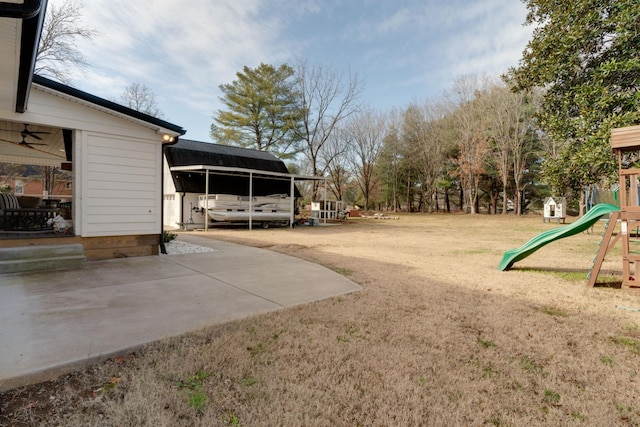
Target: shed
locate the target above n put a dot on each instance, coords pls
(230, 170)
(555, 209)
(114, 153)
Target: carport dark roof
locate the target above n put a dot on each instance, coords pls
(188, 153)
(194, 153)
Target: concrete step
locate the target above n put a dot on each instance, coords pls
(37, 258)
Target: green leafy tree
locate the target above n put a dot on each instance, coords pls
(260, 111)
(585, 54)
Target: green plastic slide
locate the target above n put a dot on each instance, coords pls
(585, 222)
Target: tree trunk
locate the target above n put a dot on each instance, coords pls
(583, 203)
(447, 202)
(504, 199)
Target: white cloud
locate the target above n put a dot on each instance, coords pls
(184, 50)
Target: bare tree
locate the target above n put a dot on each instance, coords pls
(424, 137)
(326, 99)
(140, 98)
(334, 158)
(58, 53)
(500, 115)
(473, 144)
(366, 132)
(392, 157)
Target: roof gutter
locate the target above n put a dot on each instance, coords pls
(105, 105)
(26, 10)
(32, 13)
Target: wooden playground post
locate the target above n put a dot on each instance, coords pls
(624, 141)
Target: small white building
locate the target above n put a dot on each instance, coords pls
(555, 209)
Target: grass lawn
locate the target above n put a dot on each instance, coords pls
(438, 336)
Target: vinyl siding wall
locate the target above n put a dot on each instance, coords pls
(121, 186)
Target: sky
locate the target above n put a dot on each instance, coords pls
(403, 50)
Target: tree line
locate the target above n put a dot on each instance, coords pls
(494, 143)
(478, 144)
(488, 143)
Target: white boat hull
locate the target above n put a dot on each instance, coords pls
(226, 216)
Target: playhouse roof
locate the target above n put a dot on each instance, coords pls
(554, 201)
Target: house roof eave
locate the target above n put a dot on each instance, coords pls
(60, 89)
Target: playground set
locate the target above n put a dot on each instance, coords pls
(625, 143)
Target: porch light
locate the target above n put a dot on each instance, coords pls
(167, 138)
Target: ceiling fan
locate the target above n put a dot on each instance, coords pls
(30, 144)
(26, 133)
(34, 134)
(23, 142)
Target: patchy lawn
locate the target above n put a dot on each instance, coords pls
(438, 336)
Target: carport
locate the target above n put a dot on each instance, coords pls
(252, 175)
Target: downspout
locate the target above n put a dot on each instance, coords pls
(163, 249)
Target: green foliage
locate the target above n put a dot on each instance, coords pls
(585, 53)
(551, 310)
(606, 360)
(194, 382)
(260, 111)
(530, 365)
(168, 236)
(197, 396)
(551, 396)
(486, 344)
(198, 400)
(632, 344)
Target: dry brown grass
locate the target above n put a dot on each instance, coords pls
(438, 336)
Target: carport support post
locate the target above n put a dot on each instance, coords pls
(206, 201)
(325, 200)
(250, 200)
(292, 204)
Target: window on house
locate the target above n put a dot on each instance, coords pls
(19, 187)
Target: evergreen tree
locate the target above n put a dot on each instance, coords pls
(260, 111)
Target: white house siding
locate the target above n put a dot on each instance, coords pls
(116, 166)
(121, 186)
(172, 200)
(9, 62)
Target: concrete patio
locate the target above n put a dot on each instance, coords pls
(54, 322)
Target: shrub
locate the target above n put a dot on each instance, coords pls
(168, 236)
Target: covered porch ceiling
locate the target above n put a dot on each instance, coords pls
(33, 144)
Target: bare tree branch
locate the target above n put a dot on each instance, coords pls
(58, 54)
(140, 98)
(326, 99)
